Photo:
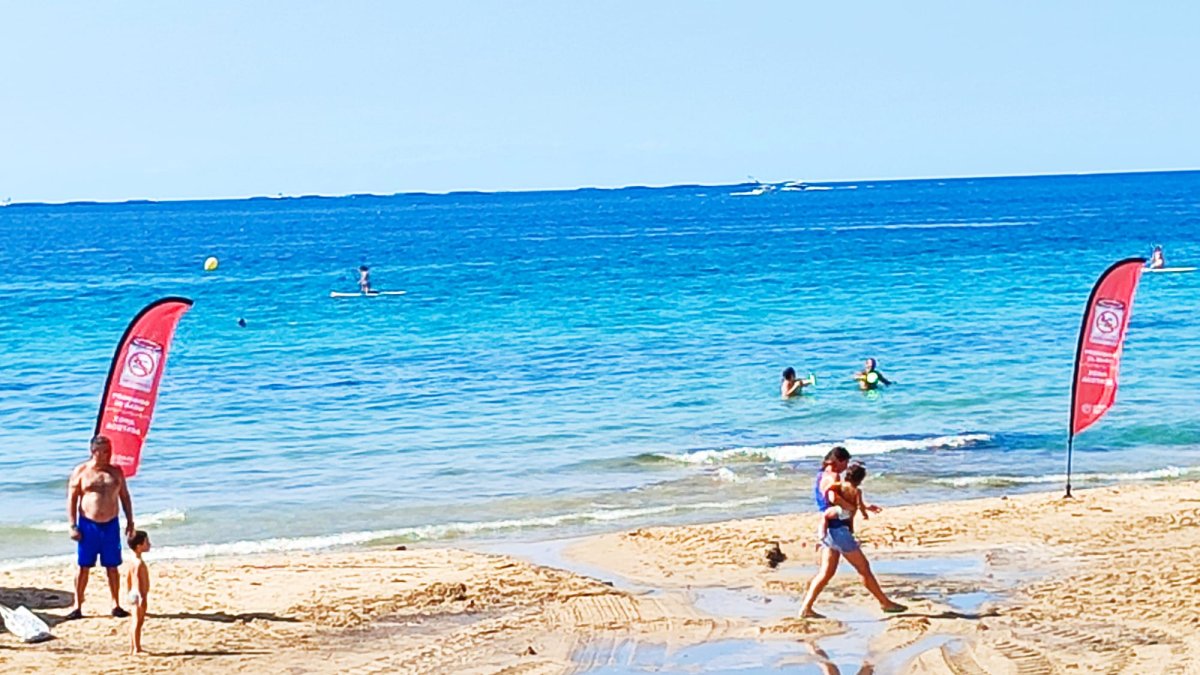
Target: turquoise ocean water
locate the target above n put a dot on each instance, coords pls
(565, 362)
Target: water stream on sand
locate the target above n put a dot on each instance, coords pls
(844, 653)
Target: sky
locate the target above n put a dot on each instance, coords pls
(154, 100)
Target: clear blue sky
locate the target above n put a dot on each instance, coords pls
(210, 99)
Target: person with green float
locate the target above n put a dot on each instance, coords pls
(870, 378)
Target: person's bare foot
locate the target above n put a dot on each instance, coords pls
(815, 650)
(894, 608)
(137, 652)
(810, 614)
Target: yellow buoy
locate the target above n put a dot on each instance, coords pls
(210, 264)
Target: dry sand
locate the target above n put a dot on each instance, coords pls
(1105, 583)
(435, 610)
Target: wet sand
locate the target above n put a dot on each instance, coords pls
(1107, 582)
(1103, 583)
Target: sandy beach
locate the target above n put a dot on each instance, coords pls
(511, 338)
(1104, 583)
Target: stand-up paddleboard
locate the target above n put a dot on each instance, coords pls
(1171, 269)
(372, 294)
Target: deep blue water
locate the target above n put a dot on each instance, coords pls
(576, 360)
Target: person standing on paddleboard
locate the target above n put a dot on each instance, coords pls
(1157, 261)
(870, 378)
(364, 279)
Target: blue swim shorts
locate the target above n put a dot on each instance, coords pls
(840, 539)
(101, 540)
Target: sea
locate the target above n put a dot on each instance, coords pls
(570, 362)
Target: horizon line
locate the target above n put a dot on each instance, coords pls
(459, 191)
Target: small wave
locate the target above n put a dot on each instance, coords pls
(791, 453)
(726, 475)
(925, 226)
(1005, 481)
(52, 484)
(142, 520)
(419, 533)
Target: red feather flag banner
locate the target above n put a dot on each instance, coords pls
(1098, 354)
(132, 388)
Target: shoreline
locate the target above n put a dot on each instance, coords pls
(541, 528)
(1004, 584)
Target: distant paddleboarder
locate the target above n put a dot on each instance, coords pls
(870, 378)
(1157, 261)
(365, 289)
(364, 279)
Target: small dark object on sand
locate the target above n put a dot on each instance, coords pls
(402, 548)
(529, 651)
(775, 555)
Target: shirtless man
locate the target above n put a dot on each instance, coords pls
(94, 492)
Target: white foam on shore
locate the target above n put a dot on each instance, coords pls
(418, 533)
(791, 453)
(726, 475)
(1000, 481)
(153, 519)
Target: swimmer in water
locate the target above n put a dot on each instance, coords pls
(870, 378)
(1157, 261)
(791, 385)
(364, 279)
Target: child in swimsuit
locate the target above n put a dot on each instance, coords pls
(846, 500)
(137, 580)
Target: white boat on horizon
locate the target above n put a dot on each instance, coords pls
(801, 186)
(758, 189)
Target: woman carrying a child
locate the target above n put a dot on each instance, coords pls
(839, 502)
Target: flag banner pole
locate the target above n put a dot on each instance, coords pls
(127, 404)
(1098, 352)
